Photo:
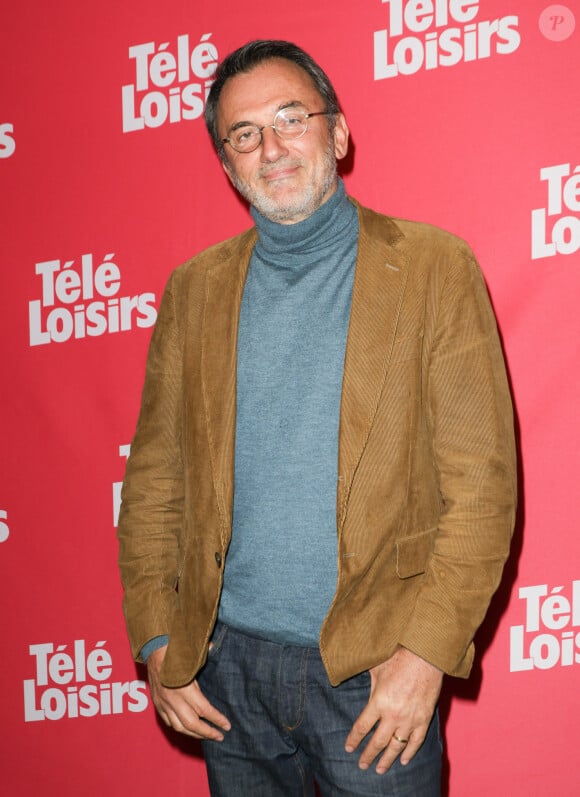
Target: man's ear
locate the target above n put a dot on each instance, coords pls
(341, 135)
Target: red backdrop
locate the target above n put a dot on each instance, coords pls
(462, 113)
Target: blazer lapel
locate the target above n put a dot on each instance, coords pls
(224, 289)
(380, 277)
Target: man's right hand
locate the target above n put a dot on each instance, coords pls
(184, 709)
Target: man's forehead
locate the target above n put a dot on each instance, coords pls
(269, 86)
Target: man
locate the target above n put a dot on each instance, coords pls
(320, 493)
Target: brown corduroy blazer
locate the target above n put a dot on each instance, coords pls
(426, 473)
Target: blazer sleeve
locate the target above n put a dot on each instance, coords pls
(469, 413)
(151, 515)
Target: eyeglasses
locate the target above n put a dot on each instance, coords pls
(289, 123)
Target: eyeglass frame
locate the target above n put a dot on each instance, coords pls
(273, 126)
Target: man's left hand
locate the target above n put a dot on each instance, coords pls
(404, 693)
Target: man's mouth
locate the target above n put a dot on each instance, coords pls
(280, 172)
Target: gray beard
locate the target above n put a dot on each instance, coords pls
(294, 209)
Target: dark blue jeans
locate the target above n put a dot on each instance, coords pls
(289, 727)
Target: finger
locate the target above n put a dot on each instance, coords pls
(379, 741)
(195, 727)
(361, 727)
(207, 710)
(415, 743)
(163, 715)
(201, 730)
(396, 747)
(183, 717)
(185, 710)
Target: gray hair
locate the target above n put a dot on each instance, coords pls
(246, 58)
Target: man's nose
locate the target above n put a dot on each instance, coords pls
(273, 147)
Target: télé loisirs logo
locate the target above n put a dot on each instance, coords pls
(550, 634)
(81, 299)
(75, 680)
(171, 84)
(439, 33)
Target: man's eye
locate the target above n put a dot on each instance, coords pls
(245, 134)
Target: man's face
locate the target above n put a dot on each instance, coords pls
(285, 180)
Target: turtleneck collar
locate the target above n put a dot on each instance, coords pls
(313, 234)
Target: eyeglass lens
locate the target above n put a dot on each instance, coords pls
(288, 123)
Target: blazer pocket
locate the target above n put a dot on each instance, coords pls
(414, 552)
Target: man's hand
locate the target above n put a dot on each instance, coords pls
(182, 709)
(404, 693)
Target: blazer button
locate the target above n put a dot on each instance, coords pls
(218, 558)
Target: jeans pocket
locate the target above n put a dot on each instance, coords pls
(216, 642)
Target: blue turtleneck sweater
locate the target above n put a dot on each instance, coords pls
(281, 567)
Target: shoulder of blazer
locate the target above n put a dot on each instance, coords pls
(230, 250)
(405, 232)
